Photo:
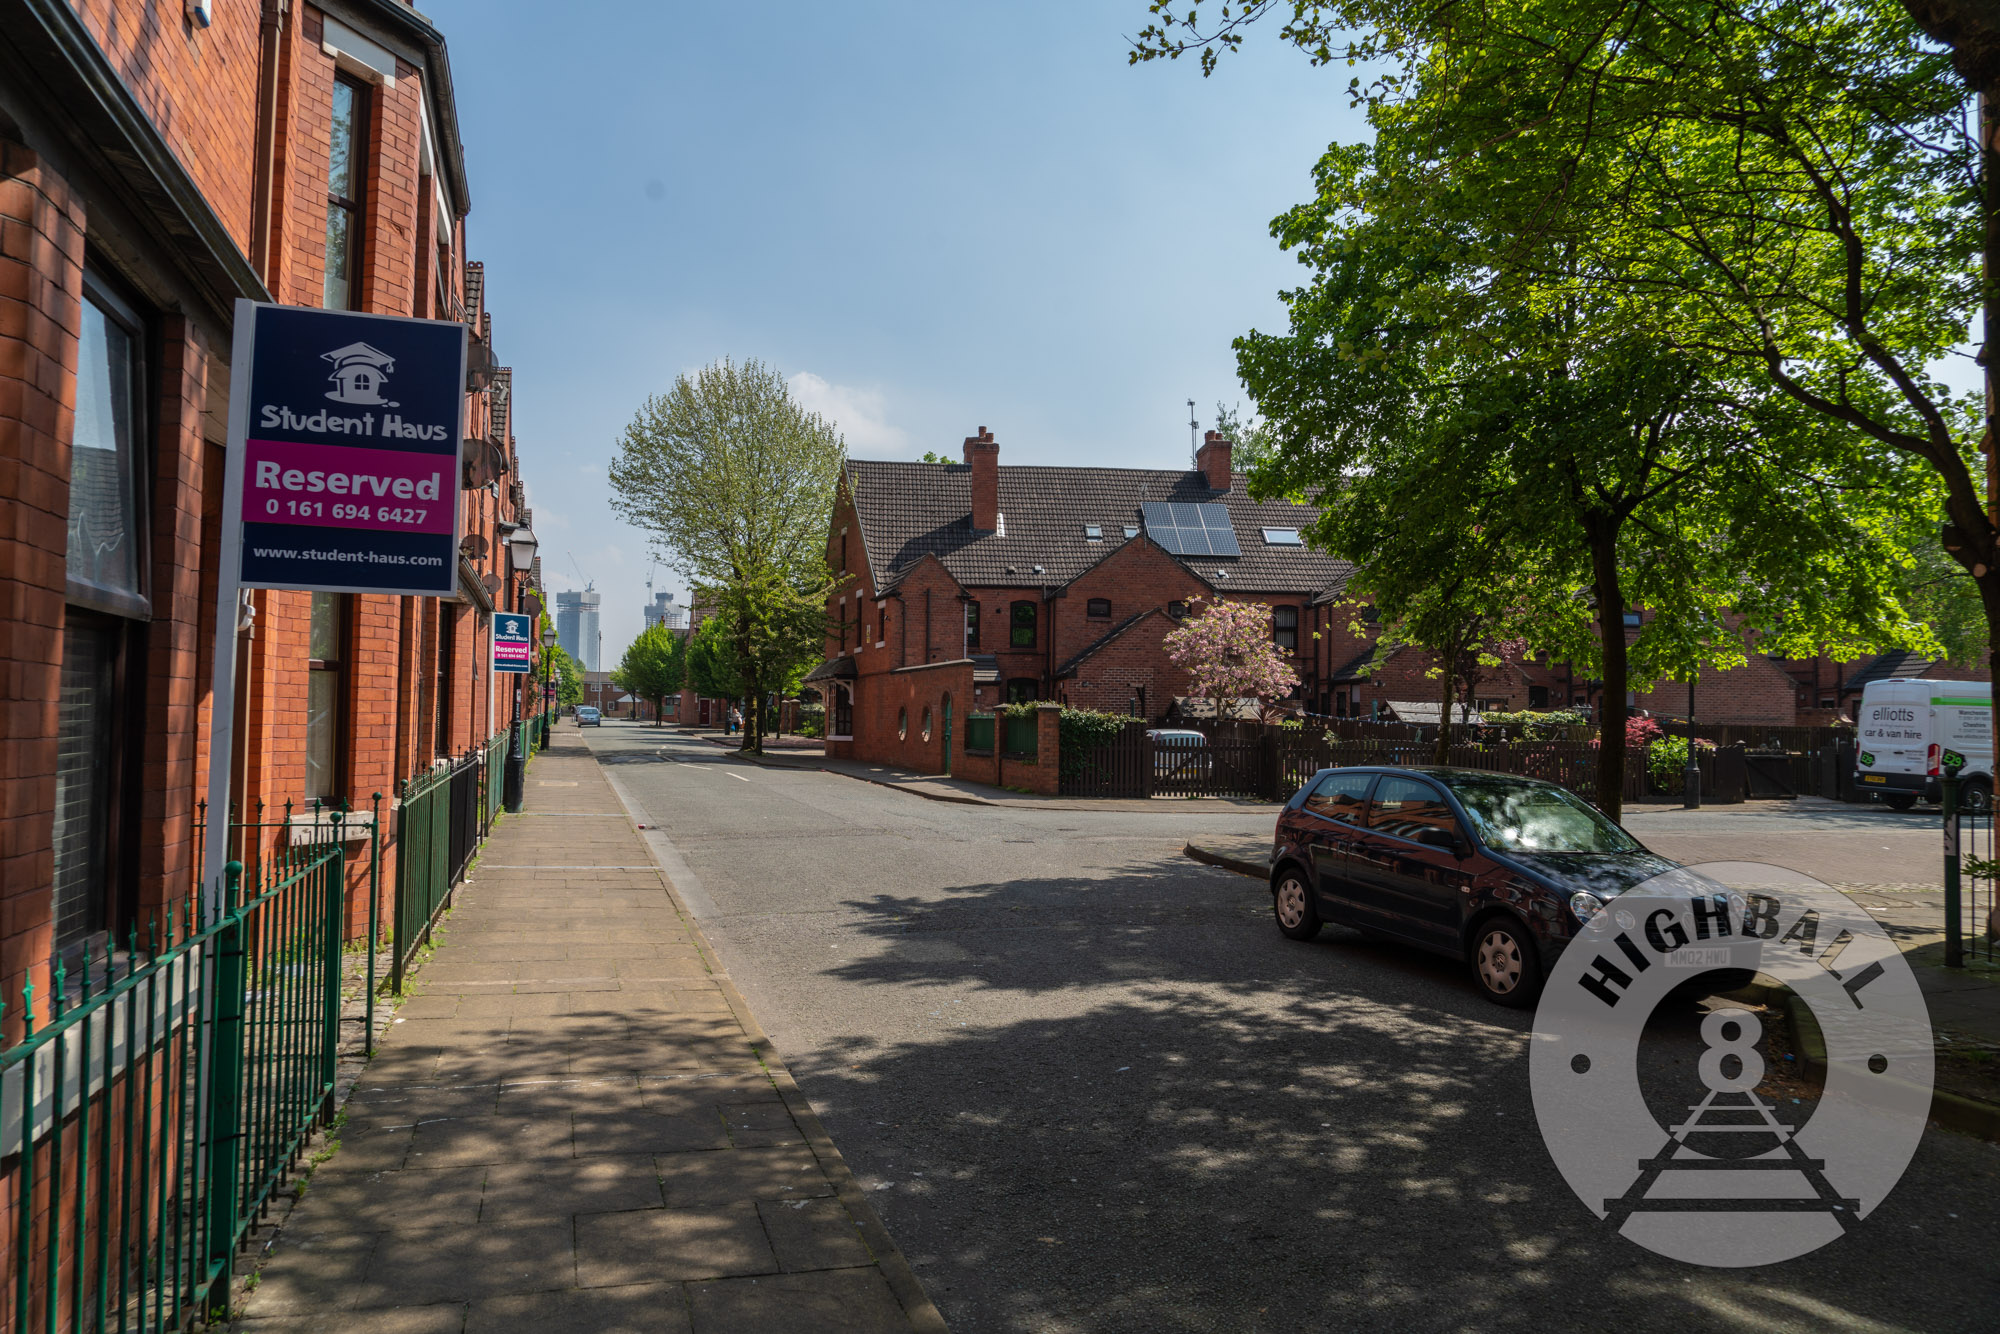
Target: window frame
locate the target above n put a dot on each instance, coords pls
(338, 666)
(354, 207)
(1015, 626)
(1279, 630)
(971, 625)
(1091, 612)
(99, 292)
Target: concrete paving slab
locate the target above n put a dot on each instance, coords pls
(651, 1244)
(461, 1264)
(639, 1308)
(812, 1234)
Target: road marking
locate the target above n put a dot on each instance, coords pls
(739, 778)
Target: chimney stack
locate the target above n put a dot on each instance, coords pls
(1213, 459)
(982, 455)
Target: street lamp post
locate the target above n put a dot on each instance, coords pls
(1691, 775)
(521, 546)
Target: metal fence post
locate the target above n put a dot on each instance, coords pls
(1954, 932)
(336, 928)
(225, 1095)
(374, 921)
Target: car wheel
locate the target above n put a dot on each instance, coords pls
(1505, 962)
(1899, 801)
(1291, 901)
(1975, 797)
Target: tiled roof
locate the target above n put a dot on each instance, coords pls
(1894, 663)
(910, 510)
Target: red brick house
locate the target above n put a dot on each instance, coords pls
(974, 584)
(153, 170)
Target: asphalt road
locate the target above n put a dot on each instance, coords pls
(1093, 1089)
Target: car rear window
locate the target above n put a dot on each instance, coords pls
(1342, 797)
(1406, 807)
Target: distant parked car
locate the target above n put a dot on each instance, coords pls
(587, 716)
(1490, 868)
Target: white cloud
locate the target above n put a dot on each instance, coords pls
(861, 415)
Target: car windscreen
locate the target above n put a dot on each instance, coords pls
(1534, 817)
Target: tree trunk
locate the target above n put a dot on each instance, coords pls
(1448, 670)
(1611, 633)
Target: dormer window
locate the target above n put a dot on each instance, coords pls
(1093, 532)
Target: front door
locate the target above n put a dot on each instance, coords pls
(1409, 887)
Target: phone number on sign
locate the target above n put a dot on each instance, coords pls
(319, 509)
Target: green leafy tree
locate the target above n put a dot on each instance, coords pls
(712, 664)
(569, 677)
(1530, 469)
(735, 482)
(1251, 439)
(653, 667)
(1803, 192)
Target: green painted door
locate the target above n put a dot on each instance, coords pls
(947, 736)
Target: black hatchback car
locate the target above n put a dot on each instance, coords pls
(1494, 869)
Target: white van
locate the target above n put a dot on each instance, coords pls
(1908, 728)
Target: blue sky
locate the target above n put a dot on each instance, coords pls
(930, 216)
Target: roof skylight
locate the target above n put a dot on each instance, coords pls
(1282, 537)
(1093, 532)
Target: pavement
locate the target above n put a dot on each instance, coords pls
(1089, 1087)
(574, 1123)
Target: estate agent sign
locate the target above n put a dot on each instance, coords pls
(345, 452)
(343, 477)
(513, 642)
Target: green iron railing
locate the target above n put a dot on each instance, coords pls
(159, 1097)
(496, 777)
(979, 733)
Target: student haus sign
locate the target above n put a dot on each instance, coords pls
(348, 428)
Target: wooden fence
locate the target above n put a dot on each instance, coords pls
(1270, 763)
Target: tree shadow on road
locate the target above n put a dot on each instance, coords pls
(1219, 1129)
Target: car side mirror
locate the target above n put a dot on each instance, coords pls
(1441, 838)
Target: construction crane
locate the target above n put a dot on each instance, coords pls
(589, 584)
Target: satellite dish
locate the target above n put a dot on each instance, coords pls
(532, 604)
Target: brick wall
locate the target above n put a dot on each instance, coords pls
(42, 226)
(1760, 691)
(198, 86)
(889, 713)
(174, 684)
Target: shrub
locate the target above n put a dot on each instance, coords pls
(1078, 730)
(1534, 726)
(1667, 756)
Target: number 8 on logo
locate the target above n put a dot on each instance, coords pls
(1722, 1045)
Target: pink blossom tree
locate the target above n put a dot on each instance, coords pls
(1228, 652)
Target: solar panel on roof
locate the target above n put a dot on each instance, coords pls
(1190, 530)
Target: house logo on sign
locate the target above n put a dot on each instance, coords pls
(359, 372)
